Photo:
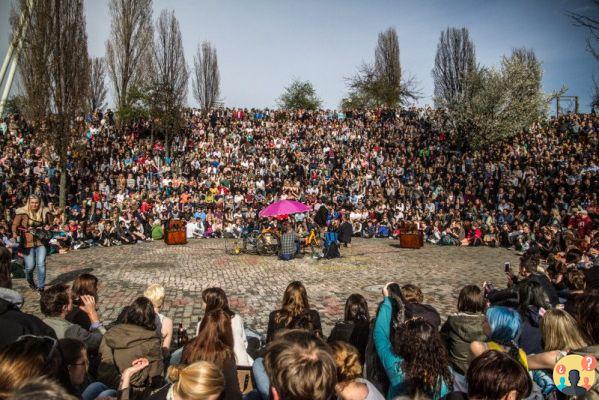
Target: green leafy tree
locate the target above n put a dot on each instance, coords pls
(499, 103)
(299, 95)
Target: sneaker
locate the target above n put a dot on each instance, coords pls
(31, 284)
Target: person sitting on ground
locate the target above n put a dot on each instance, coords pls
(164, 325)
(295, 302)
(529, 264)
(157, 232)
(532, 306)
(501, 326)
(350, 384)
(41, 388)
(461, 329)
(416, 308)
(288, 243)
(214, 343)
(84, 284)
(201, 380)
(76, 362)
(587, 320)
(56, 304)
(414, 358)
(300, 366)
(133, 336)
(13, 321)
(28, 358)
(495, 376)
(125, 383)
(355, 327)
(216, 299)
(559, 332)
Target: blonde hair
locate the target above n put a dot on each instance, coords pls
(347, 360)
(560, 331)
(196, 381)
(155, 293)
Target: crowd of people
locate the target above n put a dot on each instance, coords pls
(376, 173)
(499, 344)
(378, 170)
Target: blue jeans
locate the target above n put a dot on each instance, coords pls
(286, 257)
(261, 379)
(36, 258)
(97, 389)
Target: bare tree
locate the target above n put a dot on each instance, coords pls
(381, 83)
(129, 45)
(169, 78)
(206, 77)
(454, 61)
(97, 84)
(592, 24)
(55, 68)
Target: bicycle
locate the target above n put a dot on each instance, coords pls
(268, 242)
(313, 240)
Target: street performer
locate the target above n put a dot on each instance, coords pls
(29, 227)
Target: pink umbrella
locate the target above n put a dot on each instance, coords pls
(284, 207)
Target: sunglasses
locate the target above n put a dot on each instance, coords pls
(51, 343)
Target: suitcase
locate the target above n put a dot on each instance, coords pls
(176, 232)
(411, 240)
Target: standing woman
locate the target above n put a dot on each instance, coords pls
(27, 226)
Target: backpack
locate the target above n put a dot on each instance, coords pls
(332, 251)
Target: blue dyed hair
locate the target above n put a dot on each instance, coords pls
(504, 323)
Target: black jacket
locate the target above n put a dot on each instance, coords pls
(530, 339)
(424, 311)
(354, 333)
(274, 327)
(15, 323)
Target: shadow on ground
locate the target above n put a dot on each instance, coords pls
(69, 276)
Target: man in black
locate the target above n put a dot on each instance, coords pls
(13, 321)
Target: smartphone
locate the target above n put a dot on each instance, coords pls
(507, 267)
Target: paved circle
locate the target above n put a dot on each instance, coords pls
(255, 284)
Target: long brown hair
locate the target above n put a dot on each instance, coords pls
(214, 342)
(295, 301)
(425, 360)
(85, 284)
(216, 299)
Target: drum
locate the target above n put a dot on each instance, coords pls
(176, 232)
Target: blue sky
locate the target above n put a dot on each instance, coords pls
(263, 44)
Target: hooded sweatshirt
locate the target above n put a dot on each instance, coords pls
(121, 345)
(15, 323)
(458, 332)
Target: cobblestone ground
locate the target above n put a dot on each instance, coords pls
(255, 284)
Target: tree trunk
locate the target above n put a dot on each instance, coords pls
(167, 147)
(62, 197)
